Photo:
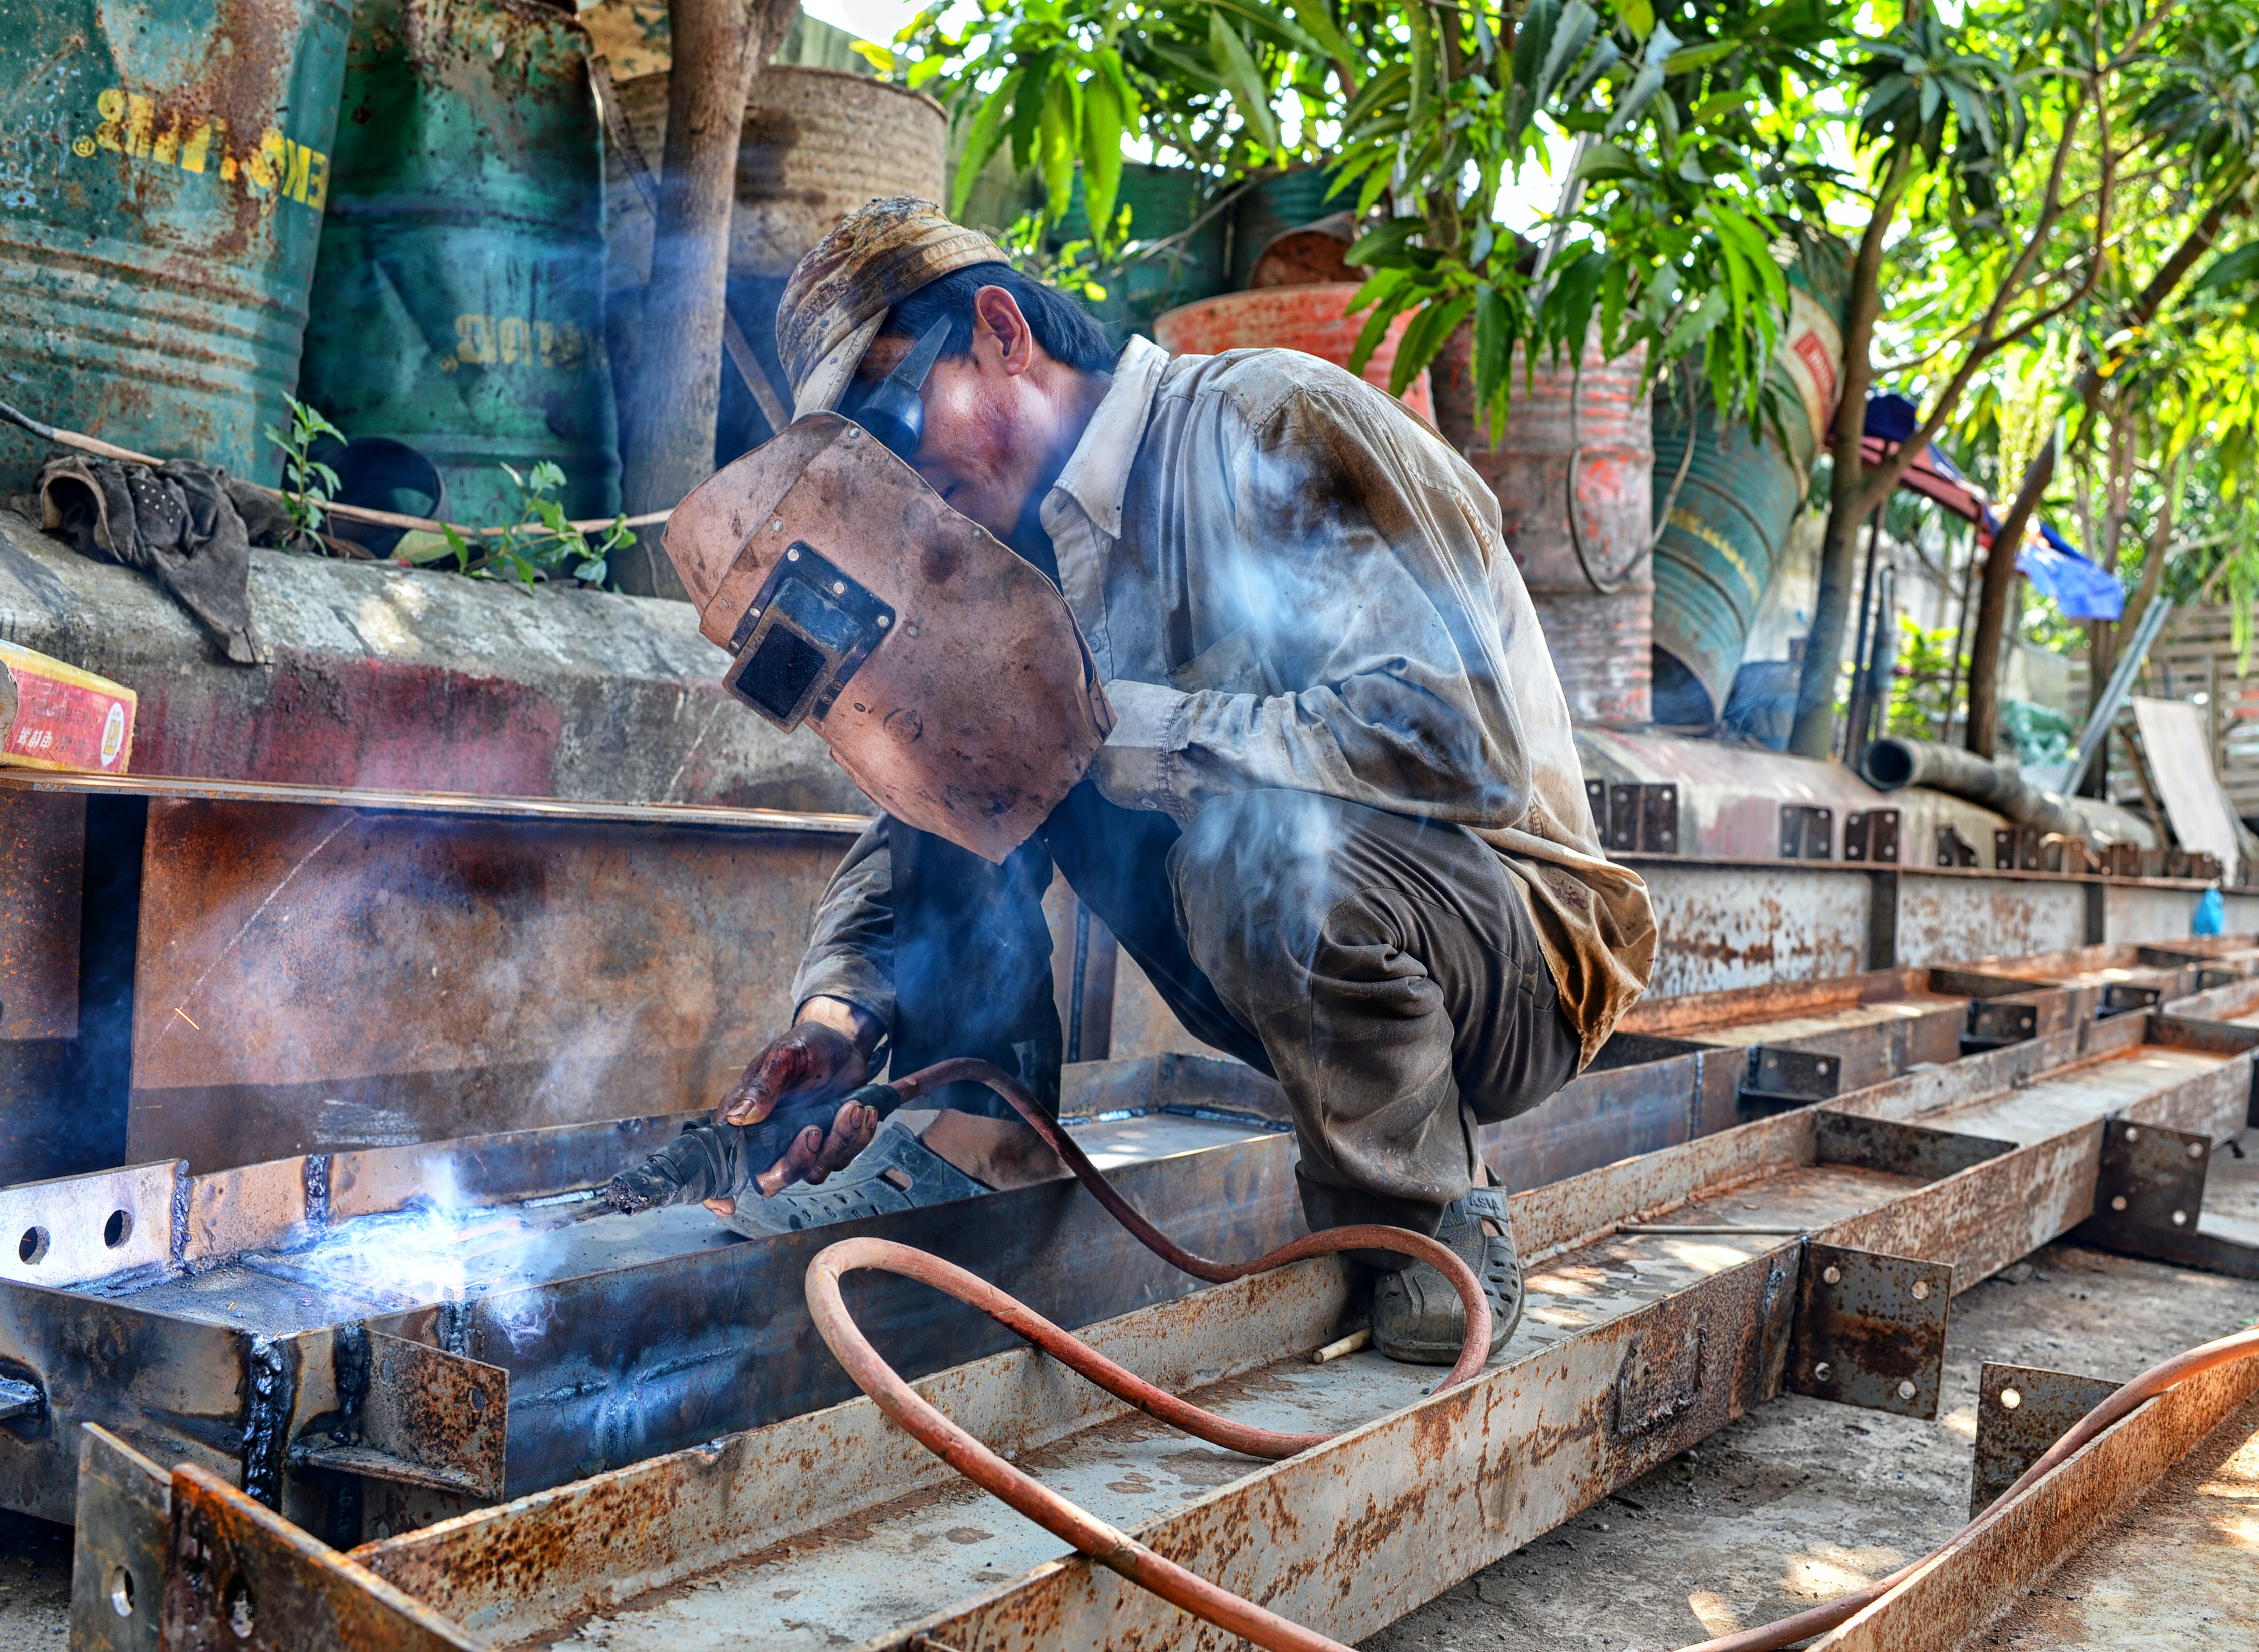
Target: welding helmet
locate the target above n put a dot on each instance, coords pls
(943, 669)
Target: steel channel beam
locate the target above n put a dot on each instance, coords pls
(1347, 1536)
(1955, 1593)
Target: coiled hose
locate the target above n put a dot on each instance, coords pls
(1113, 1549)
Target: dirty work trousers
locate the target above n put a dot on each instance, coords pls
(1383, 968)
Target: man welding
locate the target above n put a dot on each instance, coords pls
(1256, 676)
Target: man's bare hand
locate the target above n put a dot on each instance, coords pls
(811, 1060)
(822, 1055)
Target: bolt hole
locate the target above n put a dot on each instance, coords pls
(1921, 1289)
(2011, 1398)
(2119, 1203)
(1833, 1276)
(477, 1399)
(2180, 1218)
(2196, 1149)
(118, 1228)
(1906, 1388)
(1822, 1371)
(32, 1247)
(2132, 1135)
(121, 1592)
(242, 1611)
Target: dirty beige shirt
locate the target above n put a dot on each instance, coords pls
(1288, 581)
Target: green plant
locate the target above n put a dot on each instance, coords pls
(1928, 669)
(308, 484)
(542, 543)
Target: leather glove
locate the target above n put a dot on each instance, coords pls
(810, 1062)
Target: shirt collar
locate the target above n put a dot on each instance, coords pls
(1097, 474)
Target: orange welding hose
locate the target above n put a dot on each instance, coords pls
(1115, 1549)
(1820, 1620)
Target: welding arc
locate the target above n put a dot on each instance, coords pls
(1820, 1620)
(1110, 1548)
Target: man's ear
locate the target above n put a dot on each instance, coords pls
(997, 314)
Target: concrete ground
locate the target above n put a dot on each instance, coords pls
(1802, 1500)
(1791, 1506)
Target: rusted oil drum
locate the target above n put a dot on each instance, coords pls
(816, 144)
(1313, 318)
(163, 172)
(1595, 607)
(1721, 545)
(457, 306)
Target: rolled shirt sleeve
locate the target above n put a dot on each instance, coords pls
(850, 948)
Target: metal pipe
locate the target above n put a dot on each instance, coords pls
(1895, 762)
(2105, 711)
(1820, 1620)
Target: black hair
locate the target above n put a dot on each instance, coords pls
(1063, 327)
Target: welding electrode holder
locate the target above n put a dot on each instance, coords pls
(712, 1160)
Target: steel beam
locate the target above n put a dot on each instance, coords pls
(1636, 1345)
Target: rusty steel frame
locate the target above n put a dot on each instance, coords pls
(1347, 1536)
(1955, 1594)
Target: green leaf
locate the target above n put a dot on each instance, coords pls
(1391, 305)
(980, 144)
(1275, 23)
(1028, 110)
(1384, 242)
(1311, 14)
(1694, 57)
(1236, 65)
(1101, 151)
(1055, 147)
(1380, 92)
(1573, 33)
(1426, 335)
(1607, 160)
(877, 56)
(2229, 270)
(1638, 15)
(1533, 37)
(1646, 83)
(1493, 344)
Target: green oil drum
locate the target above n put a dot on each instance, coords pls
(1164, 202)
(1720, 545)
(163, 173)
(457, 306)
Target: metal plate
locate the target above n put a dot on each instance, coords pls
(79, 1228)
(415, 1414)
(527, 973)
(1870, 1330)
(123, 1522)
(42, 854)
(2021, 1410)
(240, 1578)
(2151, 1178)
(1900, 1148)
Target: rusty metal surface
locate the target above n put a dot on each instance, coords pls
(42, 852)
(1634, 1346)
(412, 1413)
(2174, 1572)
(1956, 1595)
(1899, 1148)
(2151, 1178)
(1870, 1330)
(123, 1523)
(2021, 1410)
(527, 973)
(240, 1578)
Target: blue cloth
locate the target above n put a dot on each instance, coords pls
(2080, 590)
(2211, 914)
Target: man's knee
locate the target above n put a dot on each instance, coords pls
(1267, 860)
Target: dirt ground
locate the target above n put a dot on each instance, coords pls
(1802, 1499)
(1790, 1506)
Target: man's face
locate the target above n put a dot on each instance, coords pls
(993, 421)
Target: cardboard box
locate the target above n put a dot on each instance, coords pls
(56, 716)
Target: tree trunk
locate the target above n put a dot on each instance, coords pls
(2000, 563)
(1814, 735)
(719, 47)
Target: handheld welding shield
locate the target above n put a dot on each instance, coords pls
(942, 670)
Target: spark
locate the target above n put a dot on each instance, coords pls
(183, 1015)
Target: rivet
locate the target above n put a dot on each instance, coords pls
(1906, 1388)
(1831, 1274)
(2119, 1203)
(838, 588)
(2180, 1218)
(777, 526)
(2196, 1149)
(1921, 1289)
(1822, 1371)
(883, 621)
(792, 555)
(2132, 1135)
(2011, 1398)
